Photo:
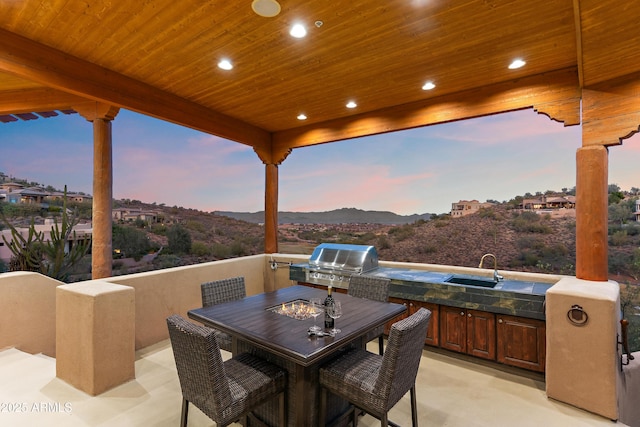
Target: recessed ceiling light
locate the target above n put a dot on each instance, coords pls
(266, 8)
(225, 64)
(517, 63)
(351, 104)
(298, 31)
(428, 85)
(302, 117)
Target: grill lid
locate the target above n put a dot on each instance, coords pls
(340, 257)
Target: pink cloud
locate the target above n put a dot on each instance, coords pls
(509, 127)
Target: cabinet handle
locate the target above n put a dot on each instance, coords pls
(462, 313)
(469, 314)
(499, 320)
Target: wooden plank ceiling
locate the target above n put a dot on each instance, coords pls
(160, 57)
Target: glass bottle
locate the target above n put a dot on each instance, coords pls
(328, 302)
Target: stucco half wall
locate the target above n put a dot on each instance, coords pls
(583, 364)
(28, 312)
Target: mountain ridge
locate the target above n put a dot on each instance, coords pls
(336, 216)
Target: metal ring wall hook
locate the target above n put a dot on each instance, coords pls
(577, 315)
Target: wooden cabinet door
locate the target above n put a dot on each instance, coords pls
(521, 342)
(481, 334)
(404, 302)
(433, 332)
(453, 328)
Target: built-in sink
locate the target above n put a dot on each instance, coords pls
(471, 281)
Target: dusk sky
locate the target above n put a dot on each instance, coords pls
(416, 171)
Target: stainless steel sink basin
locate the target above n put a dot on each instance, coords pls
(472, 281)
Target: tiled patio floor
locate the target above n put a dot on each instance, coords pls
(451, 392)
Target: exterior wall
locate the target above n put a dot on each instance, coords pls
(161, 293)
(28, 312)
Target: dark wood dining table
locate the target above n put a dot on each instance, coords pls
(285, 341)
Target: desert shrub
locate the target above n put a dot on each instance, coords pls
(530, 242)
(167, 261)
(402, 232)
(159, 229)
(220, 251)
(200, 249)
(428, 249)
(383, 242)
(629, 303)
(619, 238)
(179, 239)
(238, 249)
(130, 241)
(530, 222)
(196, 226)
(487, 213)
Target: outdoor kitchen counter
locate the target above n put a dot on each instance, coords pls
(512, 297)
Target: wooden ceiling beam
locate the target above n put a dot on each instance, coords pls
(554, 94)
(36, 100)
(50, 67)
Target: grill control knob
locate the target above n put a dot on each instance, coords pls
(332, 277)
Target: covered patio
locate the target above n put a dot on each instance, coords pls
(582, 67)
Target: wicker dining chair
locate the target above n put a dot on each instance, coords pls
(373, 288)
(219, 291)
(226, 391)
(374, 383)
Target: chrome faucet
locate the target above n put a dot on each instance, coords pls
(496, 276)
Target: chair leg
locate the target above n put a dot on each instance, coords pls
(185, 412)
(323, 408)
(414, 407)
(381, 345)
(282, 409)
(384, 421)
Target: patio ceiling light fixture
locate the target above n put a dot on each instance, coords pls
(517, 63)
(266, 8)
(298, 31)
(428, 85)
(225, 64)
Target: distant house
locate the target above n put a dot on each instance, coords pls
(32, 195)
(636, 213)
(549, 202)
(130, 215)
(467, 207)
(11, 186)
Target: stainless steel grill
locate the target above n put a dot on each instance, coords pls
(333, 263)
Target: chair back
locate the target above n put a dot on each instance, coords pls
(402, 356)
(200, 366)
(373, 288)
(219, 291)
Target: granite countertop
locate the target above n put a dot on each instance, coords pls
(513, 297)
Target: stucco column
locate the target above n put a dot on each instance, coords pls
(271, 209)
(101, 116)
(592, 213)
